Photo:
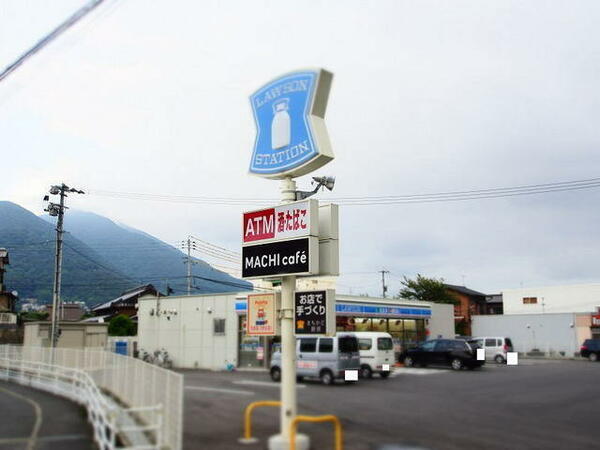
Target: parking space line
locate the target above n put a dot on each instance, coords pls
(263, 383)
(414, 371)
(225, 391)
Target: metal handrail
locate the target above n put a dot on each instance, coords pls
(327, 418)
(248, 417)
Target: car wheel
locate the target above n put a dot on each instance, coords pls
(299, 378)
(276, 374)
(457, 364)
(409, 362)
(326, 377)
(499, 359)
(366, 372)
(385, 374)
(593, 357)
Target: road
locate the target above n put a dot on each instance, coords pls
(35, 419)
(535, 405)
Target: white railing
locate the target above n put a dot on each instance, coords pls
(140, 403)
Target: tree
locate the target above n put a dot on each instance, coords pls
(121, 325)
(427, 290)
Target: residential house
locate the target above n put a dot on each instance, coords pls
(470, 303)
(125, 304)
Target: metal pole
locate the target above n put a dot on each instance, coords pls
(189, 267)
(383, 286)
(288, 340)
(56, 302)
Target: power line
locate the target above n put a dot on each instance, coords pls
(449, 196)
(64, 26)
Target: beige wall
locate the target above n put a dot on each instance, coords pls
(74, 335)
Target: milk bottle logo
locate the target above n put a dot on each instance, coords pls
(281, 126)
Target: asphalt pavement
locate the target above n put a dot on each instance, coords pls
(535, 405)
(33, 419)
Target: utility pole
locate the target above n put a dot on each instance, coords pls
(189, 266)
(383, 286)
(58, 210)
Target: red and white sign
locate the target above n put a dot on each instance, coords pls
(288, 221)
(596, 320)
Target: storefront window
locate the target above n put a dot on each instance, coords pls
(362, 324)
(379, 325)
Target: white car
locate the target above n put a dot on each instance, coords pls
(495, 347)
(376, 353)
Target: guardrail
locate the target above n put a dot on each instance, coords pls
(247, 438)
(329, 418)
(138, 401)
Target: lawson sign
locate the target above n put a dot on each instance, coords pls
(289, 113)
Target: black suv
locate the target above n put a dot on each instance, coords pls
(456, 353)
(591, 349)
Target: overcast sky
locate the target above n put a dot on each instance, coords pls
(428, 96)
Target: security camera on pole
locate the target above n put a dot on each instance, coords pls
(283, 242)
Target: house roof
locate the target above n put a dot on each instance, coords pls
(126, 296)
(465, 290)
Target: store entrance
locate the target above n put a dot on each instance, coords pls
(253, 351)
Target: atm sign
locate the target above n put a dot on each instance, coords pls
(287, 221)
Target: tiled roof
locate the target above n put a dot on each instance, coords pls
(465, 290)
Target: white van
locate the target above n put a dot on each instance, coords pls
(324, 357)
(495, 347)
(376, 353)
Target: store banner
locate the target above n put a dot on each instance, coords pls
(262, 314)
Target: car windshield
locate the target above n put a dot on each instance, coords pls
(348, 344)
(384, 344)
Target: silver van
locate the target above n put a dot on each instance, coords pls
(323, 357)
(495, 347)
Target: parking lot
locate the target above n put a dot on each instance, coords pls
(538, 404)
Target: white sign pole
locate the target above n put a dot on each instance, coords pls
(288, 340)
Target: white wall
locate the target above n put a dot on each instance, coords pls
(556, 299)
(185, 329)
(550, 333)
(442, 321)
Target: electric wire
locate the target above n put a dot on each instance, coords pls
(435, 197)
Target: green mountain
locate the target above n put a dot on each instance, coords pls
(30, 242)
(100, 259)
(144, 258)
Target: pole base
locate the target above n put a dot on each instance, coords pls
(278, 442)
(251, 440)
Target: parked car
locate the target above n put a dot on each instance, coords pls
(376, 351)
(456, 353)
(591, 349)
(324, 357)
(495, 347)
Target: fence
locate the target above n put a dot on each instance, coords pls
(123, 395)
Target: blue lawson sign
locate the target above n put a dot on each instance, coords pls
(291, 137)
(366, 310)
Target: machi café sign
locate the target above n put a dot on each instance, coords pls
(289, 112)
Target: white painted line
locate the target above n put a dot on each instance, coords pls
(38, 417)
(412, 371)
(351, 375)
(263, 383)
(512, 359)
(480, 354)
(225, 391)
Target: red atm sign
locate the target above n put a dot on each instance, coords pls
(287, 221)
